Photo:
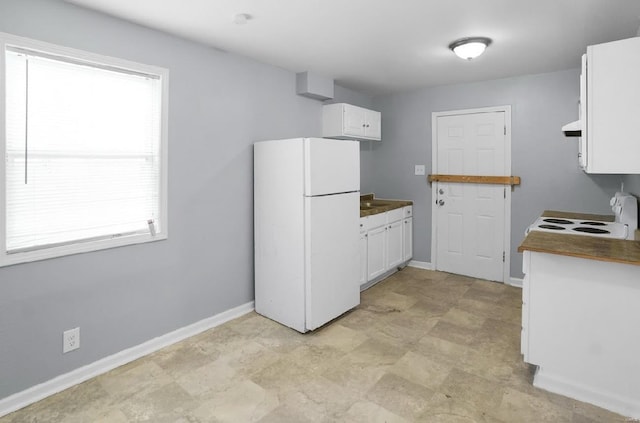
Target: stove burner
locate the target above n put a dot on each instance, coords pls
(558, 222)
(554, 227)
(591, 230)
(593, 223)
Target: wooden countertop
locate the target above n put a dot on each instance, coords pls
(588, 247)
(379, 205)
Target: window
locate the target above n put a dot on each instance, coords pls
(84, 139)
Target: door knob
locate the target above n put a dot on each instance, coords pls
(441, 202)
(441, 191)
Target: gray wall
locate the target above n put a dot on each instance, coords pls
(541, 155)
(219, 105)
(632, 184)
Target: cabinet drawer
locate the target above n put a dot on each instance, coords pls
(376, 220)
(364, 224)
(408, 211)
(395, 215)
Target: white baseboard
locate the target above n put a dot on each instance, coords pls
(626, 406)
(517, 282)
(67, 380)
(421, 265)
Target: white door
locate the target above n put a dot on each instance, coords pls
(332, 257)
(470, 219)
(331, 166)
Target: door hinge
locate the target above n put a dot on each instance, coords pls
(505, 129)
(504, 192)
(503, 256)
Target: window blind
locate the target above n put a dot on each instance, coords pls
(82, 151)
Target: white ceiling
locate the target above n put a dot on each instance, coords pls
(383, 46)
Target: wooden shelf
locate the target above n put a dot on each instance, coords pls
(475, 179)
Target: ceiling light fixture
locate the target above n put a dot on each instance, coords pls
(470, 47)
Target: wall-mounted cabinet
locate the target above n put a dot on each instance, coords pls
(345, 121)
(609, 108)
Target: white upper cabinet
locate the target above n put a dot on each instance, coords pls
(345, 121)
(610, 138)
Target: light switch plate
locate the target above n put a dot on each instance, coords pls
(420, 170)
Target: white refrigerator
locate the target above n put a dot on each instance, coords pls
(306, 230)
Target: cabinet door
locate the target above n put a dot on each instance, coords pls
(354, 120)
(394, 244)
(376, 252)
(363, 259)
(407, 239)
(613, 107)
(373, 125)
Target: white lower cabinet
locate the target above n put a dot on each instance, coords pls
(580, 323)
(386, 241)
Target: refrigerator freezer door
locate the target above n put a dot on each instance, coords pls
(331, 166)
(333, 258)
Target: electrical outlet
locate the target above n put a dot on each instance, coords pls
(419, 170)
(70, 340)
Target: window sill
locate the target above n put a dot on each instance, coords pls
(79, 248)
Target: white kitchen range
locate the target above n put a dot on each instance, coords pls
(581, 306)
(625, 208)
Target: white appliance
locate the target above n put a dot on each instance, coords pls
(306, 230)
(625, 209)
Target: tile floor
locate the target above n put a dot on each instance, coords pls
(422, 347)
